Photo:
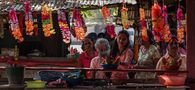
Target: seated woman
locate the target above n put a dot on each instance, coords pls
(172, 60)
(148, 58)
(123, 55)
(87, 55)
(103, 48)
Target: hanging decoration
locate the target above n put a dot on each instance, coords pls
(110, 30)
(143, 25)
(160, 26)
(78, 25)
(105, 13)
(21, 21)
(28, 18)
(166, 30)
(64, 26)
(47, 23)
(35, 18)
(124, 17)
(180, 27)
(14, 25)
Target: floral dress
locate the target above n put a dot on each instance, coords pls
(125, 57)
(146, 59)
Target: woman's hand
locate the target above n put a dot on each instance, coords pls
(117, 60)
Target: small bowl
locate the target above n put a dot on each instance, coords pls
(172, 80)
(35, 84)
(109, 66)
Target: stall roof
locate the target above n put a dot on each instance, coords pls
(58, 4)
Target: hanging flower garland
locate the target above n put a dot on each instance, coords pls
(28, 18)
(180, 27)
(105, 13)
(110, 30)
(160, 26)
(156, 13)
(124, 17)
(17, 34)
(166, 30)
(47, 23)
(64, 27)
(35, 18)
(78, 25)
(143, 24)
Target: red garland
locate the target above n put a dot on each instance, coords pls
(35, 18)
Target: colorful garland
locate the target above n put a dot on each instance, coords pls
(105, 12)
(28, 18)
(160, 26)
(35, 18)
(78, 25)
(180, 27)
(47, 23)
(124, 17)
(17, 34)
(64, 27)
(143, 24)
(110, 30)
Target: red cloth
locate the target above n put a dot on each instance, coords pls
(85, 60)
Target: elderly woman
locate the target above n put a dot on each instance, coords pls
(103, 48)
(173, 59)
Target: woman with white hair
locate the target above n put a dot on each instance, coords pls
(102, 46)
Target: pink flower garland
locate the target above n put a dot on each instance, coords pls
(64, 27)
(78, 25)
(28, 18)
(14, 25)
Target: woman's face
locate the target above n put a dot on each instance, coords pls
(122, 40)
(103, 50)
(88, 44)
(173, 47)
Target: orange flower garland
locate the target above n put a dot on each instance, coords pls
(143, 25)
(17, 34)
(180, 27)
(105, 12)
(124, 17)
(47, 21)
(78, 25)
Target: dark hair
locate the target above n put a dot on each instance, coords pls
(101, 35)
(115, 48)
(91, 36)
(150, 37)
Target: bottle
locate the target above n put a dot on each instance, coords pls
(16, 54)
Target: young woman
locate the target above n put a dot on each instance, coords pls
(123, 55)
(87, 55)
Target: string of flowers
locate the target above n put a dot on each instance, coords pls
(14, 25)
(78, 24)
(160, 26)
(28, 18)
(180, 27)
(124, 17)
(64, 27)
(47, 23)
(105, 12)
(143, 25)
